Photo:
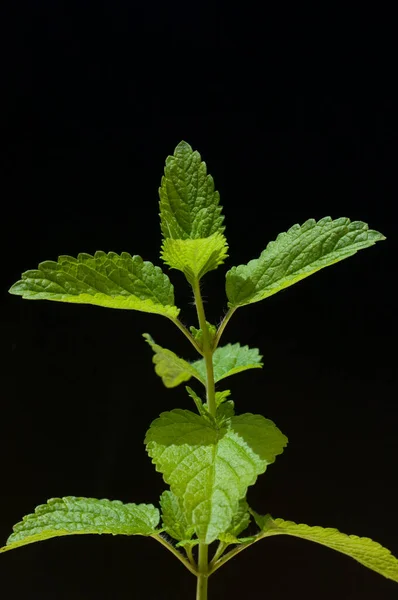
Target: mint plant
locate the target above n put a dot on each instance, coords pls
(208, 456)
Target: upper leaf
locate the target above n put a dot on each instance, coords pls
(210, 467)
(173, 517)
(172, 369)
(70, 515)
(103, 279)
(189, 205)
(229, 360)
(296, 254)
(364, 550)
(195, 257)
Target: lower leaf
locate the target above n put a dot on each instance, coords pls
(70, 515)
(371, 554)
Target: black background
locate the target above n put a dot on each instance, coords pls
(294, 114)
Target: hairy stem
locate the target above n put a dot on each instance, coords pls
(176, 553)
(185, 331)
(216, 564)
(223, 325)
(207, 350)
(203, 577)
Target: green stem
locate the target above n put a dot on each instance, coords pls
(223, 326)
(203, 577)
(207, 350)
(203, 559)
(176, 553)
(185, 331)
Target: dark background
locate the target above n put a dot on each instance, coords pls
(295, 116)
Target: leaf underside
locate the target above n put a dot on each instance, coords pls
(364, 550)
(195, 257)
(174, 520)
(110, 280)
(209, 467)
(71, 516)
(296, 254)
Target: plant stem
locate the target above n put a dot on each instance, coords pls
(185, 331)
(223, 325)
(201, 588)
(207, 350)
(203, 560)
(176, 553)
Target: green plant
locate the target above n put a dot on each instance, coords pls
(209, 458)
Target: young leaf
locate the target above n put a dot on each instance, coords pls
(198, 334)
(70, 515)
(296, 254)
(210, 468)
(172, 369)
(189, 206)
(364, 550)
(173, 517)
(104, 280)
(195, 257)
(229, 360)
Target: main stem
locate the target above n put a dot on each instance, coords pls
(203, 561)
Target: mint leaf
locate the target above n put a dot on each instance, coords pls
(70, 515)
(200, 405)
(229, 360)
(198, 334)
(210, 467)
(104, 280)
(240, 520)
(222, 397)
(173, 517)
(364, 550)
(195, 257)
(189, 205)
(296, 254)
(172, 369)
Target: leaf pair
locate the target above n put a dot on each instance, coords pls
(227, 360)
(194, 242)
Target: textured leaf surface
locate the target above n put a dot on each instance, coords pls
(70, 515)
(172, 369)
(189, 205)
(364, 550)
(173, 517)
(210, 467)
(240, 520)
(195, 257)
(104, 280)
(296, 254)
(229, 360)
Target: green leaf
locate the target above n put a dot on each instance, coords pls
(195, 257)
(229, 360)
(364, 550)
(198, 334)
(210, 467)
(189, 205)
(173, 517)
(104, 280)
(296, 254)
(240, 520)
(172, 369)
(70, 515)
